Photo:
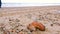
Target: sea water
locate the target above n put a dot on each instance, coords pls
(28, 4)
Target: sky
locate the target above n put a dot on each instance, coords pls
(30, 1)
(18, 3)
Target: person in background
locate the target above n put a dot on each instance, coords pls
(0, 3)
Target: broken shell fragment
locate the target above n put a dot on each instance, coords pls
(35, 25)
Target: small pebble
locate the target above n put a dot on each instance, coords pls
(51, 24)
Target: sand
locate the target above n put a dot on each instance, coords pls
(49, 16)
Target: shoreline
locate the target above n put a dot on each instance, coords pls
(28, 4)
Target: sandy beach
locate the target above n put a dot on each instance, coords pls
(10, 17)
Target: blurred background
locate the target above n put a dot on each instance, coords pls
(22, 3)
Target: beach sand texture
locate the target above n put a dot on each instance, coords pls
(18, 18)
